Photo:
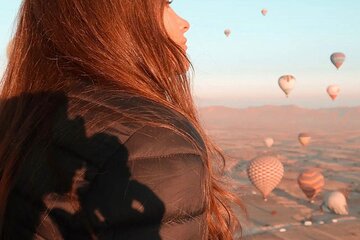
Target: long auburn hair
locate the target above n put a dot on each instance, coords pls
(112, 43)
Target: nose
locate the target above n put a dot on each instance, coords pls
(185, 25)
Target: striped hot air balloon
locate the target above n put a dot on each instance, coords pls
(311, 182)
(338, 59)
(265, 173)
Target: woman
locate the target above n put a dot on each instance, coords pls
(100, 137)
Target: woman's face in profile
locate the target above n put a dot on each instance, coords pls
(175, 26)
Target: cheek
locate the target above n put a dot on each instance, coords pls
(171, 27)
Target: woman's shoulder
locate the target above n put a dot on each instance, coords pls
(119, 115)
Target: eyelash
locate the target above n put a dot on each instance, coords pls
(169, 1)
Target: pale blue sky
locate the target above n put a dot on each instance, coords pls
(296, 37)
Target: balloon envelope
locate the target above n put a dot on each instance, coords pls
(264, 12)
(227, 32)
(304, 139)
(265, 173)
(311, 182)
(287, 83)
(269, 142)
(333, 91)
(337, 59)
(336, 202)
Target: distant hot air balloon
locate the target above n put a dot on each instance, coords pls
(311, 182)
(264, 12)
(265, 173)
(304, 139)
(335, 202)
(337, 59)
(287, 83)
(333, 91)
(227, 32)
(269, 142)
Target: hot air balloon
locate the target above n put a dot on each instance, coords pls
(333, 91)
(268, 142)
(227, 32)
(265, 173)
(337, 59)
(335, 202)
(287, 83)
(311, 182)
(264, 12)
(304, 139)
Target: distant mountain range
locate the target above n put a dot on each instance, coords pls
(285, 118)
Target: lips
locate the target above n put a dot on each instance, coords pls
(184, 44)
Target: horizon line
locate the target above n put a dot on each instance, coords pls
(278, 106)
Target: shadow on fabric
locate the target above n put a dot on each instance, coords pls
(74, 186)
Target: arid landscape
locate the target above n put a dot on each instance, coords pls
(334, 149)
